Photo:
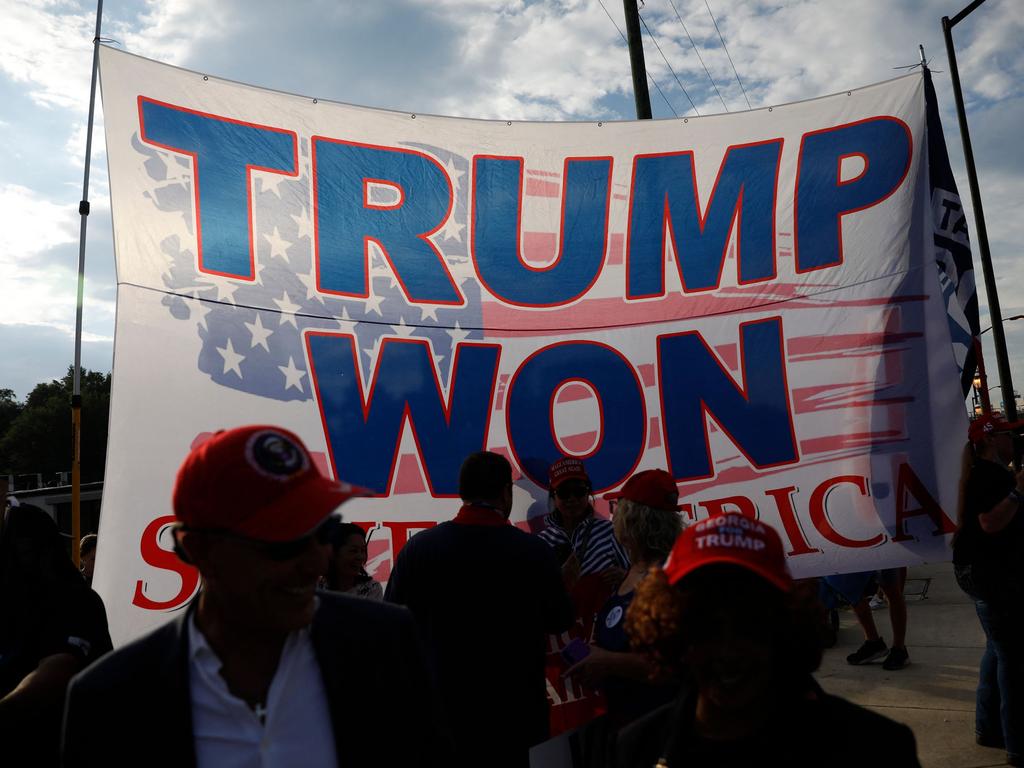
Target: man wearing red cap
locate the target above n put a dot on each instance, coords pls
(988, 551)
(261, 669)
(724, 612)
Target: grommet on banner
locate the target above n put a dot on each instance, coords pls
(509, 122)
(314, 101)
(205, 78)
(686, 119)
(600, 124)
(413, 116)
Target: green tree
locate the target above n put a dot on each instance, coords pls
(9, 410)
(38, 438)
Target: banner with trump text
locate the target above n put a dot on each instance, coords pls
(776, 306)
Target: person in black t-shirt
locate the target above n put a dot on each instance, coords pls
(485, 595)
(988, 552)
(51, 627)
(725, 609)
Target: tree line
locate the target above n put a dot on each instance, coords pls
(35, 435)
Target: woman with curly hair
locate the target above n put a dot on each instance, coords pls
(724, 613)
(647, 522)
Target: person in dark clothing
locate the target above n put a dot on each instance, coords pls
(988, 552)
(346, 570)
(261, 664)
(485, 595)
(724, 609)
(52, 625)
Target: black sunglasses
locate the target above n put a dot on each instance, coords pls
(572, 491)
(282, 551)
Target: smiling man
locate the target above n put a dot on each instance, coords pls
(261, 670)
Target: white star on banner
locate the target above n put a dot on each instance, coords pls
(454, 174)
(402, 329)
(457, 333)
(259, 333)
(288, 310)
(278, 245)
(373, 304)
(231, 359)
(309, 280)
(305, 225)
(271, 182)
(202, 309)
(225, 289)
(373, 351)
(292, 375)
(453, 229)
(428, 310)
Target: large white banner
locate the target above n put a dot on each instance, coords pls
(751, 301)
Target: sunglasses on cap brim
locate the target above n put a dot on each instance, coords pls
(279, 551)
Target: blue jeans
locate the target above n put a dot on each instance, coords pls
(999, 710)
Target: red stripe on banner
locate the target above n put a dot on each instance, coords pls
(550, 174)
(502, 320)
(829, 397)
(654, 438)
(804, 345)
(540, 188)
(320, 460)
(647, 374)
(579, 444)
(539, 247)
(499, 394)
(616, 249)
(409, 479)
(852, 440)
(730, 355)
(573, 392)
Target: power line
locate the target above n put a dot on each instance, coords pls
(655, 41)
(699, 58)
(727, 54)
(655, 82)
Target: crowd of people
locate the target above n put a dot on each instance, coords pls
(696, 640)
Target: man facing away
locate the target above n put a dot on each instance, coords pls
(486, 596)
(261, 670)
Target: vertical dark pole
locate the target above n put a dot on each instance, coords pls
(986, 403)
(998, 337)
(76, 387)
(636, 60)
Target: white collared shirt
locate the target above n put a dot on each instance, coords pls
(296, 728)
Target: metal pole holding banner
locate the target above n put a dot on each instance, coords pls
(998, 337)
(76, 391)
(636, 60)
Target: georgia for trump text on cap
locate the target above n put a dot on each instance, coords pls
(257, 481)
(730, 538)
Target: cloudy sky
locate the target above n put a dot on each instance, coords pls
(547, 60)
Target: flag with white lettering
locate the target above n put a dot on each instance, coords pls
(750, 301)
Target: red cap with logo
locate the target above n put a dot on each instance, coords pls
(567, 468)
(730, 538)
(986, 425)
(654, 488)
(257, 481)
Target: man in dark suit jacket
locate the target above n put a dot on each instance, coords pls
(261, 666)
(485, 596)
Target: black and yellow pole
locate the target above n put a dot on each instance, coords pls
(76, 392)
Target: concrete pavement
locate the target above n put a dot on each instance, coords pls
(934, 695)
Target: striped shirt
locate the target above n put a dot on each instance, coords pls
(593, 542)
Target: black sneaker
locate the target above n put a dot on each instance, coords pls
(869, 651)
(898, 658)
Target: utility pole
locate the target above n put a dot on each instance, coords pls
(636, 60)
(998, 337)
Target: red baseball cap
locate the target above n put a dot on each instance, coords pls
(989, 425)
(257, 481)
(567, 468)
(654, 488)
(730, 538)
